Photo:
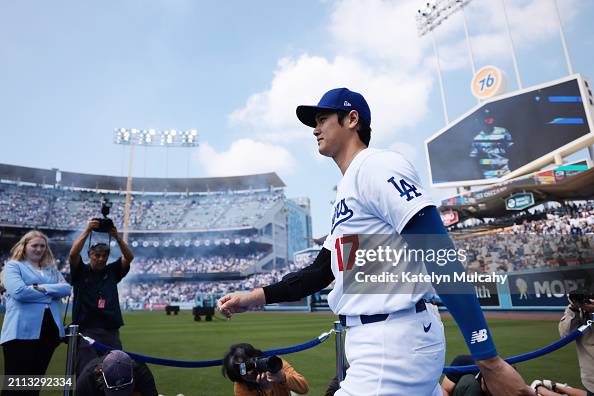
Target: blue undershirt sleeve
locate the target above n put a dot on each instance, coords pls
(425, 230)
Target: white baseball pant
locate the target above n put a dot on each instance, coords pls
(395, 357)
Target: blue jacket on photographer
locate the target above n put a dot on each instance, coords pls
(96, 307)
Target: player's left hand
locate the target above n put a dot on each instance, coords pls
(502, 379)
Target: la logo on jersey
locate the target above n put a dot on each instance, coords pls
(405, 189)
(479, 336)
(341, 214)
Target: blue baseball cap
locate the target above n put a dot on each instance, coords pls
(336, 99)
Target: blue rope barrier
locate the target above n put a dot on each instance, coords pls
(208, 363)
(324, 336)
(526, 356)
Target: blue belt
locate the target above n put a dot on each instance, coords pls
(420, 306)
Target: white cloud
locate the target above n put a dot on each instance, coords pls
(531, 23)
(397, 100)
(382, 57)
(409, 151)
(244, 157)
(379, 31)
(379, 58)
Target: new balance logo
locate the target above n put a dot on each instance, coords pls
(346, 104)
(479, 336)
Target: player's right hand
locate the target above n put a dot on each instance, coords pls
(239, 302)
(502, 379)
(93, 224)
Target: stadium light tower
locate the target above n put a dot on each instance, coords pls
(430, 17)
(149, 137)
(435, 12)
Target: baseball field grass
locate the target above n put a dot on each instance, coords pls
(179, 337)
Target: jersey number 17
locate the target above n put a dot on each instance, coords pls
(353, 240)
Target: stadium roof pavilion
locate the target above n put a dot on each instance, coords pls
(576, 187)
(142, 184)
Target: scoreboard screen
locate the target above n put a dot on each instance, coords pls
(505, 134)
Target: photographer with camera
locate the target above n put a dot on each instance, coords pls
(577, 313)
(96, 307)
(254, 374)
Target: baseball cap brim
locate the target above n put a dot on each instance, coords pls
(125, 391)
(307, 114)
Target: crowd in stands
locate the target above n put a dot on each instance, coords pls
(514, 252)
(581, 213)
(185, 291)
(200, 264)
(551, 237)
(561, 237)
(18, 207)
(577, 220)
(32, 206)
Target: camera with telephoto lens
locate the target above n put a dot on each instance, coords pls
(105, 224)
(581, 296)
(272, 364)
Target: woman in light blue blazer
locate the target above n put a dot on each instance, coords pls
(32, 328)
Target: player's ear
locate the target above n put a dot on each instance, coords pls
(352, 119)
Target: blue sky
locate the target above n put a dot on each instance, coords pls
(72, 71)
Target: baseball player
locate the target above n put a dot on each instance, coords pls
(394, 344)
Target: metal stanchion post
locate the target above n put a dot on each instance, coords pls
(71, 355)
(339, 331)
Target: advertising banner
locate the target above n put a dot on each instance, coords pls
(519, 201)
(548, 288)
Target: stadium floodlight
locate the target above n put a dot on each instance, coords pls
(428, 18)
(153, 137)
(149, 137)
(435, 12)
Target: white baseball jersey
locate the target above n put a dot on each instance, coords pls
(378, 194)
